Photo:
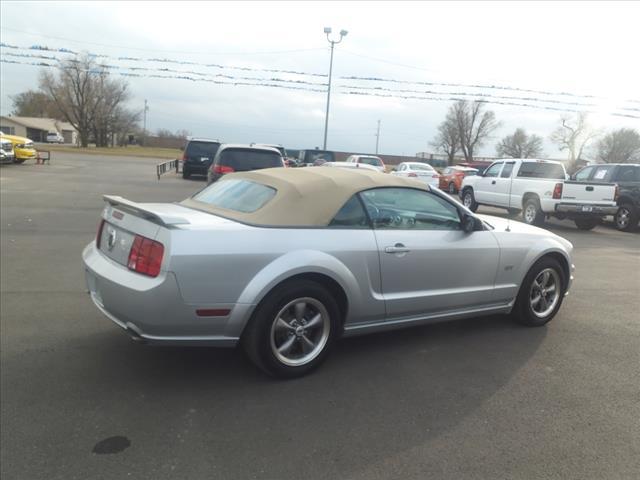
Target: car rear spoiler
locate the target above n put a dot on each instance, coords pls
(139, 210)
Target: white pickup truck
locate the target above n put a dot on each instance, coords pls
(539, 189)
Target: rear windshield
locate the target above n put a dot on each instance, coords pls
(202, 149)
(239, 195)
(541, 170)
(376, 162)
(243, 160)
(313, 155)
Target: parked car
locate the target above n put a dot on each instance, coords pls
(451, 178)
(243, 158)
(420, 171)
(627, 177)
(54, 137)
(369, 160)
(6, 151)
(310, 158)
(479, 165)
(198, 154)
(23, 148)
(361, 252)
(538, 188)
(353, 166)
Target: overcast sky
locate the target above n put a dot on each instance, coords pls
(579, 48)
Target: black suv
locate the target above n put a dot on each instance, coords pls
(243, 158)
(627, 176)
(198, 156)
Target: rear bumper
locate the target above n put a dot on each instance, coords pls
(151, 310)
(196, 168)
(586, 210)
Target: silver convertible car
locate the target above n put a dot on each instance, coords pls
(285, 261)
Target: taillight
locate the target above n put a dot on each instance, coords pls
(184, 157)
(413, 174)
(145, 256)
(616, 194)
(99, 234)
(222, 169)
(557, 191)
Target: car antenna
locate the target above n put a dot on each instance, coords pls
(508, 229)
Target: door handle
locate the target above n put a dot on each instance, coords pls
(493, 182)
(397, 248)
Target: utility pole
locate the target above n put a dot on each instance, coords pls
(144, 124)
(378, 137)
(343, 33)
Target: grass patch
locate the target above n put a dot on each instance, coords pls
(130, 151)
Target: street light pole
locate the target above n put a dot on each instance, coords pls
(343, 33)
(377, 137)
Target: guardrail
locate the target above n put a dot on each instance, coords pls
(171, 165)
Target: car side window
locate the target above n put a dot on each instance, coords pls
(351, 215)
(493, 170)
(583, 174)
(627, 173)
(506, 171)
(601, 172)
(409, 209)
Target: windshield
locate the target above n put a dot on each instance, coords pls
(245, 159)
(202, 149)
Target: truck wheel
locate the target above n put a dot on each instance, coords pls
(626, 218)
(452, 188)
(532, 214)
(468, 200)
(18, 160)
(586, 223)
(185, 172)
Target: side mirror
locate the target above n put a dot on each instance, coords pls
(468, 223)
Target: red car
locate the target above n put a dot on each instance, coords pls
(451, 178)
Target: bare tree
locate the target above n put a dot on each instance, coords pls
(619, 146)
(35, 104)
(73, 90)
(166, 133)
(447, 140)
(520, 145)
(475, 125)
(573, 135)
(88, 98)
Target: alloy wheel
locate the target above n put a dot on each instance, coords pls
(622, 218)
(300, 331)
(545, 292)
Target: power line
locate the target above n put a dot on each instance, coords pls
(84, 42)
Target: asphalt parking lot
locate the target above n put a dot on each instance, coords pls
(479, 398)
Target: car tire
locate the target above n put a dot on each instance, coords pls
(452, 188)
(532, 214)
(469, 200)
(290, 349)
(185, 172)
(536, 304)
(18, 160)
(626, 218)
(586, 223)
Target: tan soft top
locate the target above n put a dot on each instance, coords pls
(308, 197)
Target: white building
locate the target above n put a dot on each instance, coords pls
(36, 128)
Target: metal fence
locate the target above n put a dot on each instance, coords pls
(170, 166)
